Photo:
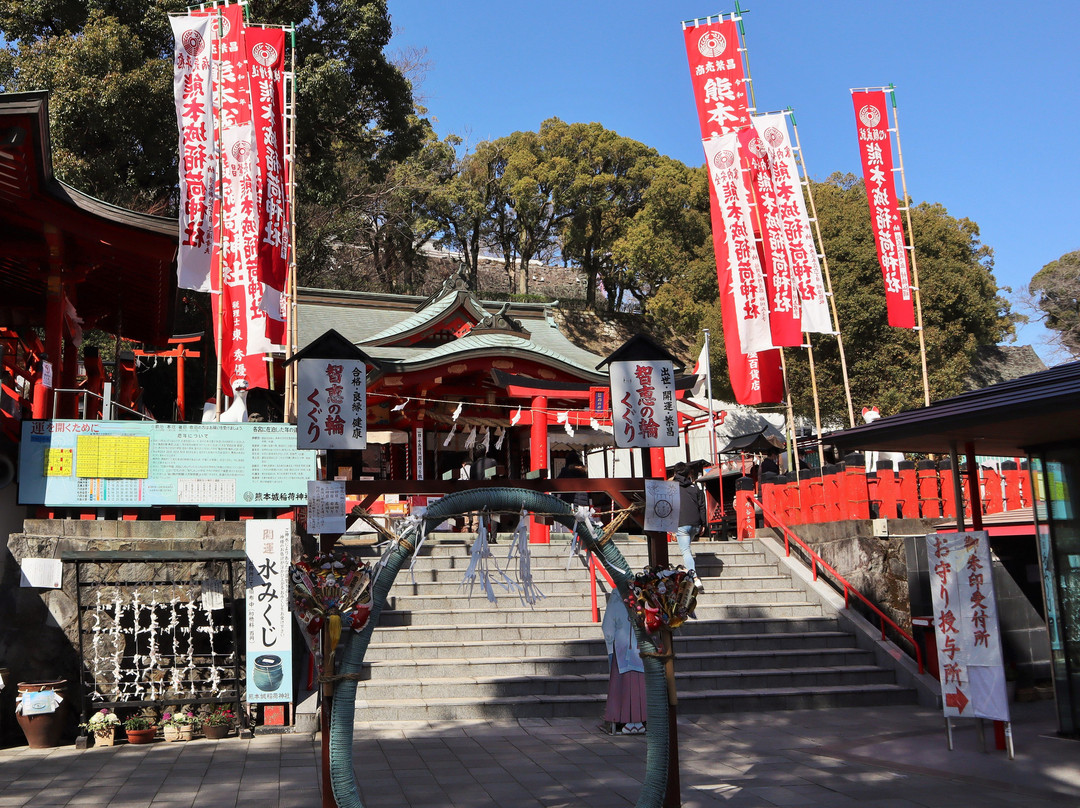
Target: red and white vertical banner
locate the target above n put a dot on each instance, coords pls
(192, 88)
(719, 83)
(966, 626)
(243, 322)
(785, 309)
(643, 404)
(875, 150)
(266, 67)
(747, 280)
(773, 132)
(331, 404)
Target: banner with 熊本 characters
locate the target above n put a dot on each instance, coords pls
(966, 626)
(875, 150)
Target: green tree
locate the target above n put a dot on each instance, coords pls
(1056, 292)
(960, 303)
(107, 65)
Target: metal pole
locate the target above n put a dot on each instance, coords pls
(828, 277)
(817, 404)
(914, 263)
(708, 391)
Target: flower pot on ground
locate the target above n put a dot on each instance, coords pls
(219, 723)
(102, 727)
(42, 728)
(140, 729)
(179, 726)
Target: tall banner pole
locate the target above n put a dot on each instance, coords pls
(825, 270)
(911, 248)
(219, 80)
(817, 405)
(290, 293)
(708, 392)
(793, 460)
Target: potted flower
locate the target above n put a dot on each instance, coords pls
(179, 726)
(140, 729)
(102, 725)
(219, 723)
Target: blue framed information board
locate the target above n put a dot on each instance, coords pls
(131, 464)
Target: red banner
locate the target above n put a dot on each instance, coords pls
(875, 149)
(198, 163)
(716, 72)
(266, 66)
(785, 309)
(243, 322)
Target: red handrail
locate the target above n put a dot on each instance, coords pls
(594, 565)
(816, 561)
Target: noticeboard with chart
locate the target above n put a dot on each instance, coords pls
(127, 464)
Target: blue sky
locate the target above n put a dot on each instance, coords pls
(986, 92)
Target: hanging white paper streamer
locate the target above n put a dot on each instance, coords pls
(485, 443)
(471, 440)
(480, 565)
(519, 547)
(515, 417)
(594, 423)
(457, 412)
(502, 436)
(400, 406)
(450, 437)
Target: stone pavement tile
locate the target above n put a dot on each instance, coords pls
(15, 800)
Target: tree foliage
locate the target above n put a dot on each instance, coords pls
(1056, 291)
(107, 65)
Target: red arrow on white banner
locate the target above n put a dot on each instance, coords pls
(957, 700)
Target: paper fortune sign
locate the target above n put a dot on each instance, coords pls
(661, 505)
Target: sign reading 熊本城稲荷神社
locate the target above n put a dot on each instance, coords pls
(966, 626)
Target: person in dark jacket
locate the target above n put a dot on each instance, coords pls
(691, 510)
(575, 469)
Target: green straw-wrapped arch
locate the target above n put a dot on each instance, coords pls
(342, 775)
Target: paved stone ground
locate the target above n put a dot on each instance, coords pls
(893, 757)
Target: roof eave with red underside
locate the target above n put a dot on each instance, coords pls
(120, 264)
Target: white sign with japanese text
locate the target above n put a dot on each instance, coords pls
(966, 626)
(269, 629)
(662, 505)
(326, 506)
(643, 404)
(331, 404)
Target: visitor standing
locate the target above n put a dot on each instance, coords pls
(692, 514)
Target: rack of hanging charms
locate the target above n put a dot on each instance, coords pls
(158, 628)
(330, 591)
(662, 597)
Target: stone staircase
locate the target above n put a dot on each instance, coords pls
(760, 642)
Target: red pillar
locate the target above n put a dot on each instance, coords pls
(929, 498)
(831, 476)
(746, 526)
(888, 490)
(909, 489)
(538, 451)
(948, 489)
(54, 334)
(856, 494)
(817, 495)
(992, 501)
(1011, 471)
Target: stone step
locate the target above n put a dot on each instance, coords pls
(685, 645)
(595, 661)
(481, 686)
(427, 570)
(696, 703)
(434, 581)
(557, 616)
(751, 628)
(462, 600)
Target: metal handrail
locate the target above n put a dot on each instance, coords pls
(840, 580)
(112, 404)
